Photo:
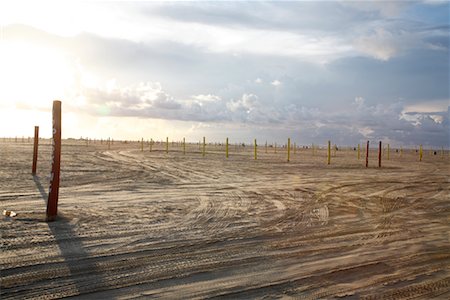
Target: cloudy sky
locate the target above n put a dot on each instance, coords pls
(312, 71)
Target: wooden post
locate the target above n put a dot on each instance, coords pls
(388, 150)
(266, 147)
(420, 153)
(109, 143)
(289, 150)
(142, 144)
(380, 149)
(401, 151)
(275, 148)
(255, 149)
(359, 151)
(204, 147)
(53, 193)
(35, 149)
(367, 155)
(151, 145)
(167, 144)
(226, 148)
(184, 146)
(329, 152)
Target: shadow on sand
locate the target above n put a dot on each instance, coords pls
(83, 271)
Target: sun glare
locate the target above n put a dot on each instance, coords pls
(31, 77)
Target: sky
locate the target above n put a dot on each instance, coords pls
(313, 71)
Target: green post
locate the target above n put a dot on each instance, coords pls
(420, 153)
(226, 148)
(289, 149)
(359, 151)
(329, 152)
(388, 150)
(204, 146)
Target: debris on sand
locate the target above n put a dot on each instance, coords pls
(9, 213)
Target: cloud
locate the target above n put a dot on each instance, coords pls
(276, 82)
(354, 70)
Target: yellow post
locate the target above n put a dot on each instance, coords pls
(226, 148)
(359, 151)
(329, 152)
(420, 153)
(255, 150)
(289, 149)
(388, 150)
(167, 144)
(204, 146)
(184, 146)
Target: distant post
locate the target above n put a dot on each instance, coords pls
(266, 147)
(367, 155)
(420, 153)
(289, 150)
(204, 147)
(388, 150)
(142, 144)
(53, 193)
(380, 149)
(359, 150)
(275, 148)
(255, 149)
(35, 149)
(184, 146)
(151, 145)
(167, 144)
(329, 152)
(226, 148)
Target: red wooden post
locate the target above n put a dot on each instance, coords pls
(52, 203)
(367, 154)
(35, 149)
(379, 155)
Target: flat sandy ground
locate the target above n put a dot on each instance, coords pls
(155, 225)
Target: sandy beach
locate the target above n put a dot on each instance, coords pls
(141, 224)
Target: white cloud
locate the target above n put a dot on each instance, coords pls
(381, 44)
(276, 82)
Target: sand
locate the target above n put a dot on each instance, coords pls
(147, 224)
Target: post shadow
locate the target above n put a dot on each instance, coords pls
(83, 271)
